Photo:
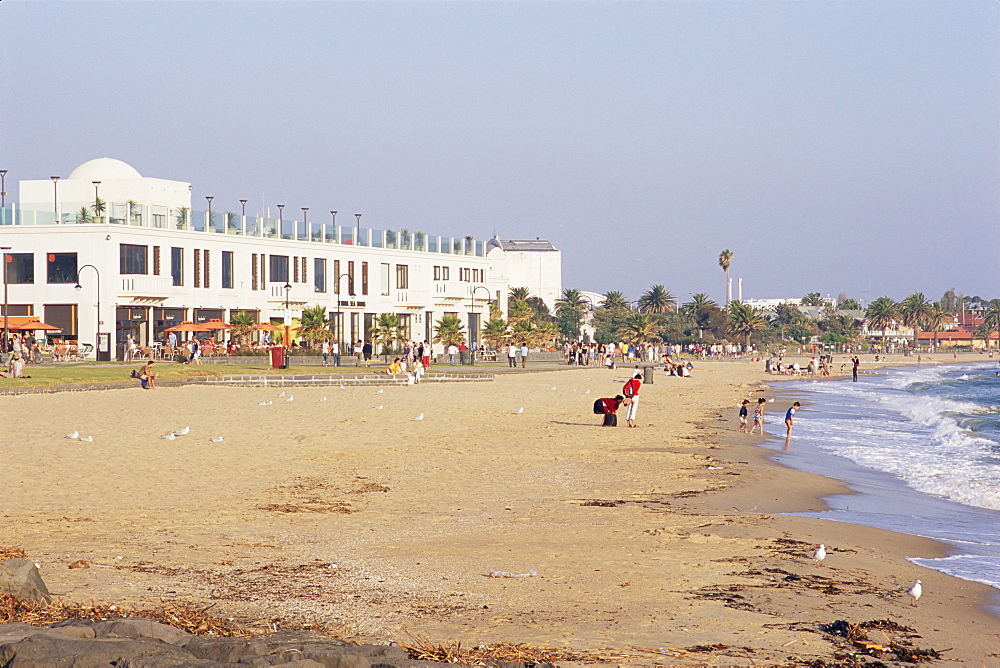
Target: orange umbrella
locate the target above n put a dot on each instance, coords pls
(188, 326)
(268, 327)
(215, 324)
(35, 325)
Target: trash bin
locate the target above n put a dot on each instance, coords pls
(647, 375)
(277, 357)
(465, 356)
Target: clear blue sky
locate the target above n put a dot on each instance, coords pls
(828, 144)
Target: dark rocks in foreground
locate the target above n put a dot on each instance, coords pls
(136, 642)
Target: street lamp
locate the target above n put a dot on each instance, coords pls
(243, 205)
(3, 188)
(281, 215)
(340, 325)
(305, 222)
(472, 307)
(209, 198)
(55, 197)
(6, 307)
(357, 234)
(97, 342)
(288, 318)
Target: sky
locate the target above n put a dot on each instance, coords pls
(834, 147)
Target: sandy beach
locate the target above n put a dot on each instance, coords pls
(652, 546)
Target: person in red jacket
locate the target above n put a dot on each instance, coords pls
(610, 408)
(631, 392)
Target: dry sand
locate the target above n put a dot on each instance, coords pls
(650, 539)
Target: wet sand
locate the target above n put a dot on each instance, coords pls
(649, 544)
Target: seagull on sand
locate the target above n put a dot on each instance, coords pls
(820, 554)
(419, 417)
(519, 411)
(264, 403)
(290, 399)
(342, 387)
(553, 388)
(87, 439)
(379, 391)
(322, 399)
(379, 407)
(169, 436)
(73, 435)
(915, 591)
(217, 439)
(183, 432)
(281, 394)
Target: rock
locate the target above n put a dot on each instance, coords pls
(19, 578)
(79, 563)
(139, 627)
(45, 651)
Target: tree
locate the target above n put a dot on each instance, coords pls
(614, 299)
(99, 207)
(991, 318)
(518, 294)
(744, 320)
(726, 259)
(812, 299)
(848, 304)
(950, 301)
(386, 331)
(83, 216)
(182, 217)
(569, 311)
(314, 325)
(913, 312)
(641, 328)
(936, 319)
(700, 311)
(880, 315)
(449, 330)
(134, 212)
(242, 325)
(495, 332)
(657, 300)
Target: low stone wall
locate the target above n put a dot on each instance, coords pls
(334, 380)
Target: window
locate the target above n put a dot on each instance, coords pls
(441, 273)
(364, 278)
(279, 268)
(350, 277)
(337, 275)
(227, 269)
(402, 277)
(132, 259)
(61, 268)
(197, 267)
(253, 272)
(177, 265)
(20, 267)
(208, 267)
(156, 260)
(319, 274)
(305, 269)
(295, 269)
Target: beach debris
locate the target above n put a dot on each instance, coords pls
(79, 563)
(183, 431)
(73, 435)
(290, 399)
(419, 417)
(87, 439)
(519, 411)
(553, 388)
(218, 439)
(715, 468)
(587, 392)
(264, 403)
(915, 591)
(901, 647)
(532, 573)
(322, 399)
(489, 654)
(379, 391)
(169, 436)
(820, 554)
(379, 407)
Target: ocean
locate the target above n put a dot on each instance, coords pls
(919, 445)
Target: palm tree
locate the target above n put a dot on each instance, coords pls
(83, 216)
(726, 259)
(812, 299)
(880, 315)
(935, 320)
(99, 207)
(657, 300)
(314, 325)
(744, 320)
(849, 305)
(242, 325)
(569, 309)
(641, 329)
(699, 311)
(614, 300)
(134, 212)
(991, 318)
(449, 330)
(386, 331)
(495, 332)
(913, 311)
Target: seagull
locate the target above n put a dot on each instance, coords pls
(217, 439)
(264, 403)
(169, 436)
(379, 407)
(281, 394)
(290, 399)
(323, 399)
(379, 391)
(553, 388)
(342, 387)
(587, 392)
(519, 411)
(419, 417)
(87, 439)
(820, 554)
(771, 400)
(73, 436)
(183, 432)
(915, 591)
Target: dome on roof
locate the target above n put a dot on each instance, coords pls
(104, 169)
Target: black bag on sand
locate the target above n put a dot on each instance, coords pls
(599, 407)
(610, 420)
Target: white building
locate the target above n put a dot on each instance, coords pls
(146, 261)
(773, 304)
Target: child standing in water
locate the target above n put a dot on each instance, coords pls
(743, 416)
(790, 418)
(758, 416)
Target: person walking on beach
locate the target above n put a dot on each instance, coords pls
(326, 353)
(512, 356)
(758, 416)
(366, 352)
(855, 363)
(631, 392)
(524, 354)
(744, 412)
(790, 418)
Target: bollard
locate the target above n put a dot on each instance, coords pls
(647, 375)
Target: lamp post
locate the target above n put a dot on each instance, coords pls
(55, 197)
(305, 222)
(3, 188)
(357, 233)
(287, 319)
(340, 325)
(6, 308)
(472, 307)
(243, 207)
(97, 341)
(281, 217)
(333, 215)
(209, 224)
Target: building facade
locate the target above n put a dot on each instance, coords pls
(105, 254)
